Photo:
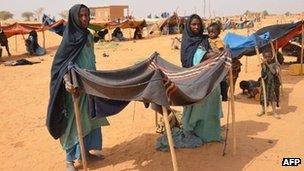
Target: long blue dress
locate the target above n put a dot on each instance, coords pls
(203, 118)
(90, 127)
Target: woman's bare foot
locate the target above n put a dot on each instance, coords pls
(261, 113)
(70, 167)
(276, 116)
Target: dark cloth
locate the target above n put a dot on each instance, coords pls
(224, 90)
(74, 39)
(32, 42)
(156, 81)
(3, 39)
(137, 34)
(117, 33)
(102, 34)
(190, 42)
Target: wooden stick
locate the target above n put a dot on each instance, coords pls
(156, 119)
(227, 128)
(134, 110)
(79, 131)
(43, 39)
(232, 110)
(262, 80)
(275, 54)
(302, 47)
(246, 64)
(16, 43)
(170, 140)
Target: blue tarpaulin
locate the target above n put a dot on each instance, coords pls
(245, 45)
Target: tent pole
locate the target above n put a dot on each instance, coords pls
(246, 64)
(79, 131)
(156, 119)
(232, 110)
(302, 47)
(43, 39)
(275, 54)
(170, 140)
(227, 127)
(16, 43)
(262, 80)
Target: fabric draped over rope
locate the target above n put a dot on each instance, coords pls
(155, 81)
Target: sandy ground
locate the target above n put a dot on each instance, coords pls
(129, 142)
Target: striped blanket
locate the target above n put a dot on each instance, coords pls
(155, 80)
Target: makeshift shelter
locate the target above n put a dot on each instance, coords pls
(172, 22)
(155, 81)
(130, 23)
(279, 35)
(57, 27)
(25, 28)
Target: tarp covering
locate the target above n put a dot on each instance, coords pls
(280, 34)
(245, 45)
(26, 28)
(130, 23)
(156, 81)
(174, 20)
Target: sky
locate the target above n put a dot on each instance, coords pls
(142, 8)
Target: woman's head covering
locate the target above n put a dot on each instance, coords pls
(191, 41)
(74, 39)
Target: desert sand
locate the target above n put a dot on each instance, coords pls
(129, 141)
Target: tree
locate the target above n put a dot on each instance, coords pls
(27, 15)
(265, 13)
(247, 13)
(39, 13)
(4, 15)
(288, 13)
(64, 14)
(149, 16)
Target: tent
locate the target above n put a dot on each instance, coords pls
(155, 81)
(57, 27)
(279, 35)
(26, 28)
(129, 23)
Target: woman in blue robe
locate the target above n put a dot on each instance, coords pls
(77, 48)
(203, 118)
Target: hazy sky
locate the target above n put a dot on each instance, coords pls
(141, 8)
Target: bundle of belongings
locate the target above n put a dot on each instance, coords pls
(19, 62)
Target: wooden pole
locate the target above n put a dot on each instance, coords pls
(232, 110)
(170, 140)
(246, 62)
(275, 55)
(79, 131)
(262, 80)
(156, 119)
(43, 39)
(227, 127)
(302, 47)
(16, 49)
